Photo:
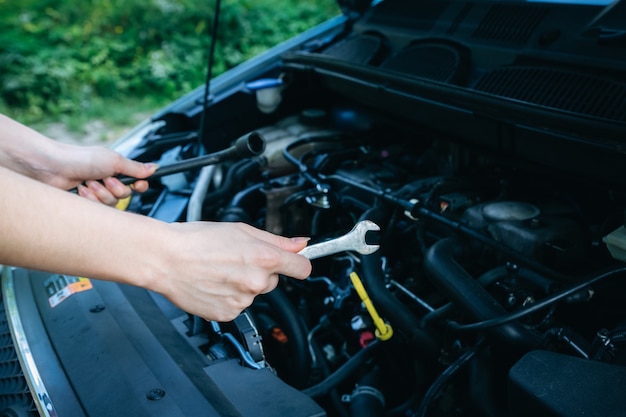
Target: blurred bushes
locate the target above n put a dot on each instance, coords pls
(58, 56)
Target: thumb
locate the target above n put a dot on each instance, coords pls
(293, 244)
(137, 169)
(296, 244)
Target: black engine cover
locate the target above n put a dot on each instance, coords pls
(545, 383)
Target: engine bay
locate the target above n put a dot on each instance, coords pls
(496, 290)
(483, 261)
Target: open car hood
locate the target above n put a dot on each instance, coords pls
(354, 6)
(486, 139)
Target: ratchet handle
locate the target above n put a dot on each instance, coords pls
(244, 147)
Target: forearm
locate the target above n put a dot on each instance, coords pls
(49, 229)
(213, 270)
(27, 152)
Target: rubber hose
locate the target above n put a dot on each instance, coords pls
(196, 201)
(444, 378)
(367, 400)
(344, 371)
(236, 174)
(389, 306)
(296, 331)
(470, 296)
(437, 315)
(525, 274)
(340, 408)
(240, 207)
(485, 280)
(487, 394)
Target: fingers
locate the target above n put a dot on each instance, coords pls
(271, 284)
(108, 193)
(110, 190)
(294, 244)
(220, 268)
(140, 186)
(295, 266)
(285, 260)
(134, 169)
(94, 190)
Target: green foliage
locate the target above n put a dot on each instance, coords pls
(67, 57)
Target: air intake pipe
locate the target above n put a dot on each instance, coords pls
(442, 265)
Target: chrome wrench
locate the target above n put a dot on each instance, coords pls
(354, 240)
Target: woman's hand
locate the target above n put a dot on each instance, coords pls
(213, 270)
(219, 268)
(92, 164)
(64, 166)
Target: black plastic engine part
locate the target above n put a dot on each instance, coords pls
(248, 388)
(551, 239)
(466, 292)
(550, 384)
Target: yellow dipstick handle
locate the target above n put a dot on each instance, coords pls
(383, 330)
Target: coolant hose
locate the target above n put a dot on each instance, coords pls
(389, 306)
(470, 296)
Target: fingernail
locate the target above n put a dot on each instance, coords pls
(110, 183)
(152, 165)
(95, 184)
(300, 239)
(84, 191)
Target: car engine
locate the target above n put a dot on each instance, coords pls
(495, 174)
(491, 280)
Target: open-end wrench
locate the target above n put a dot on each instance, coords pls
(354, 240)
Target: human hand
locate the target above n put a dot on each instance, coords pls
(217, 269)
(90, 164)
(65, 166)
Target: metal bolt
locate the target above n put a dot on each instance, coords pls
(603, 335)
(155, 394)
(511, 299)
(97, 308)
(511, 267)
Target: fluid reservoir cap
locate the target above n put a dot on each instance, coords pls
(268, 93)
(510, 211)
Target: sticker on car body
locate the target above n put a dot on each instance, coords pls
(60, 287)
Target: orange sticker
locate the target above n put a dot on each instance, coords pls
(60, 287)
